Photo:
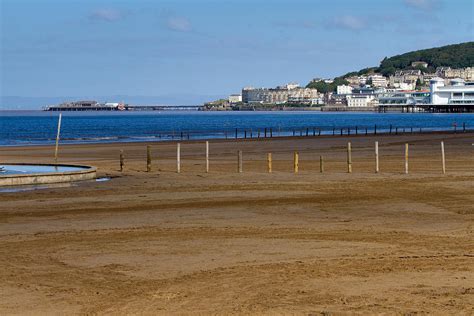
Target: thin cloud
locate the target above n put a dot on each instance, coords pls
(178, 24)
(107, 15)
(299, 24)
(348, 22)
(422, 4)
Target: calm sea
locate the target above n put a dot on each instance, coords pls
(35, 127)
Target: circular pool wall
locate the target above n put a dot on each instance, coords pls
(27, 174)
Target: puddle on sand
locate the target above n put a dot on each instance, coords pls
(25, 188)
(103, 179)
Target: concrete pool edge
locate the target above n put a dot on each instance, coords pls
(87, 173)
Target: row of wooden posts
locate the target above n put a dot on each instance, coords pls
(268, 132)
(270, 161)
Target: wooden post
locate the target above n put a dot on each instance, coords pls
(406, 158)
(376, 157)
(239, 161)
(321, 164)
(295, 162)
(178, 158)
(148, 158)
(207, 156)
(57, 139)
(349, 158)
(269, 162)
(122, 159)
(443, 158)
(375, 129)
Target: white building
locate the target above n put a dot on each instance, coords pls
(378, 80)
(361, 100)
(291, 92)
(457, 93)
(343, 89)
(235, 98)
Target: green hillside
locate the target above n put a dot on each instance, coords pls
(454, 56)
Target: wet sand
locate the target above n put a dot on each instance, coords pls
(250, 243)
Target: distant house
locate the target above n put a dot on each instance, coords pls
(419, 64)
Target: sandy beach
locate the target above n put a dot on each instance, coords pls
(221, 242)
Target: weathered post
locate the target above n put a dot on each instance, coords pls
(178, 158)
(239, 161)
(443, 158)
(349, 158)
(269, 163)
(57, 139)
(321, 164)
(122, 159)
(148, 158)
(406, 158)
(295, 162)
(375, 129)
(207, 156)
(376, 157)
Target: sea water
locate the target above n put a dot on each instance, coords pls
(36, 127)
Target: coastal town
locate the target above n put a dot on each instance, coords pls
(413, 89)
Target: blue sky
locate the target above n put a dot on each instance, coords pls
(200, 49)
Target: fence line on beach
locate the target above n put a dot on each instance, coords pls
(272, 132)
(269, 160)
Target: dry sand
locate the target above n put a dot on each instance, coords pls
(251, 243)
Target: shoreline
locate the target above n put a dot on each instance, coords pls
(197, 140)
